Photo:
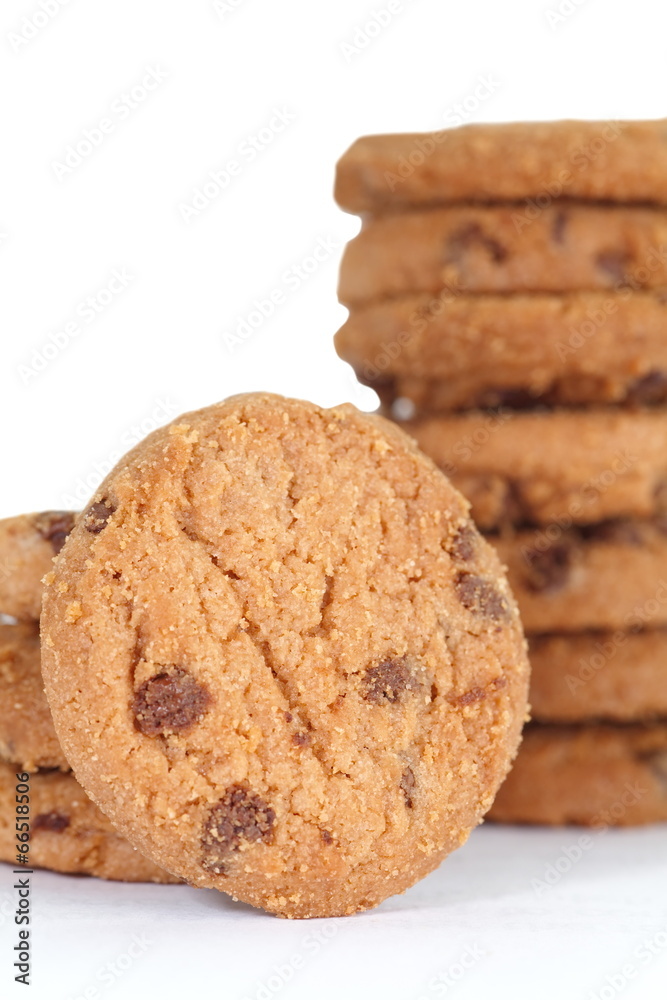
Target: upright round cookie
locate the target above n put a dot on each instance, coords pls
(281, 658)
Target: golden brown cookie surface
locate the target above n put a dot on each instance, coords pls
(487, 248)
(593, 775)
(68, 833)
(603, 577)
(619, 676)
(618, 161)
(459, 352)
(27, 736)
(549, 467)
(28, 545)
(282, 659)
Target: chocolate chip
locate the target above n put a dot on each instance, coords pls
(464, 543)
(55, 822)
(615, 263)
(408, 784)
(54, 526)
(301, 739)
(614, 532)
(558, 227)
(481, 596)
(387, 681)
(651, 388)
(96, 517)
(326, 837)
(478, 693)
(471, 696)
(171, 701)
(469, 235)
(239, 816)
(550, 570)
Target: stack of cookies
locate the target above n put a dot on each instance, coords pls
(508, 302)
(68, 833)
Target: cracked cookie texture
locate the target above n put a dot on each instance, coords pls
(281, 658)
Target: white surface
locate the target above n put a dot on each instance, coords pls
(489, 904)
(159, 348)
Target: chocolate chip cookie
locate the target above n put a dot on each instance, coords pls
(618, 161)
(619, 676)
(484, 248)
(604, 577)
(28, 544)
(281, 658)
(461, 351)
(68, 833)
(594, 775)
(27, 737)
(553, 466)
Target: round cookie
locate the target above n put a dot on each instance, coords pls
(592, 775)
(28, 544)
(460, 352)
(280, 657)
(554, 466)
(27, 737)
(617, 676)
(603, 577)
(486, 248)
(68, 833)
(618, 161)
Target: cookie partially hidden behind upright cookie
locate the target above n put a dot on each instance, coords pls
(68, 833)
(280, 657)
(27, 736)
(28, 544)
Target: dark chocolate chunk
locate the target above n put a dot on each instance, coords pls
(473, 695)
(408, 786)
(239, 816)
(549, 571)
(387, 681)
(481, 596)
(96, 517)
(54, 822)
(464, 543)
(54, 526)
(470, 235)
(169, 702)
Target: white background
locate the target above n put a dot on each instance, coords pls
(162, 346)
